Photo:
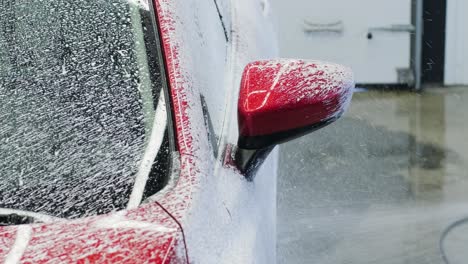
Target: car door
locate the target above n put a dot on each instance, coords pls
(225, 218)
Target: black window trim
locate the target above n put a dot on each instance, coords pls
(174, 157)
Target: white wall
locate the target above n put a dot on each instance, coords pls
(456, 54)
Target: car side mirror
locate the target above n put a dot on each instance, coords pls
(281, 100)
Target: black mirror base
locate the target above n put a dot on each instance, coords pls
(249, 161)
(265, 141)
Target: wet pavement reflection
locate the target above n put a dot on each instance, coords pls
(381, 185)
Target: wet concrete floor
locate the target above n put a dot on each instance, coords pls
(381, 185)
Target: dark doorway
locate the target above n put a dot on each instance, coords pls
(433, 44)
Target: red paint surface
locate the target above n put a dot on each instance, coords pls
(7, 239)
(282, 95)
(143, 235)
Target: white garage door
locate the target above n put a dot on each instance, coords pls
(371, 36)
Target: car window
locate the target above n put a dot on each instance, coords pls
(82, 115)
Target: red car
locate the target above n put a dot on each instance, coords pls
(145, 132)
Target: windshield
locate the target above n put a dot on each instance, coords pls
(80, 88)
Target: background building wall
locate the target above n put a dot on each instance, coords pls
(456, 58)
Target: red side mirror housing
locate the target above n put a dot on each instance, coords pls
(284, 99)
